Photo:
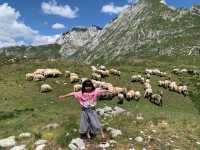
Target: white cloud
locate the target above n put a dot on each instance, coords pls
(52, 8)
(14, 32)
(58, 26)
(112, 9)
(165, 3)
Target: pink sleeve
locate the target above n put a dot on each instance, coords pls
(97, 91)
(77, 95)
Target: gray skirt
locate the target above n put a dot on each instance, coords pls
(89, 122)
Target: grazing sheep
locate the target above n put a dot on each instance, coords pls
(39, 71)
(103, 73)
(130, 95)
(176, 71)
(38, 77)
(74, 77)
(96, 76)
(48, 72)
(106, 96)
(155, 72)
(137, 78)
(115, 72)
(173, 86)
(120, 97)
(148, 93)
(52, 73)
(148, 76)
(147, 86)
(29, 76)
(77, 87)
(117, 90)
(157, 99)
(183, 71)
(67, 73)
(183, 90)
(45, 88)
(161, 83)
(102, 67)
(93, 68)
(137, 95)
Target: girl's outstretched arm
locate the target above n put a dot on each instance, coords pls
(66, 95)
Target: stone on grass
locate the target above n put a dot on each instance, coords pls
(25, 135)
(114, 132)
(40, 147)
(77, 144)
(19, 147)
(8, 142)
(40, 142)
(139, 139)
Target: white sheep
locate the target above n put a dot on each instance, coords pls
(115, 72)
(137, 78)
(45, 88)
(29, 76)
(74, 77)
(67, 73)
(137, 95)
(148, 93)
(96, 76)
(38, 77)
(147, 86)
(157, 99)
(77, 87)
(120, 98)
(93, 68)
(102, 67)
(130, 95)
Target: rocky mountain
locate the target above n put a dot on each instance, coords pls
(147, 28)
(76, 39)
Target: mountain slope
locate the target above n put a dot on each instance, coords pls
(145, 29)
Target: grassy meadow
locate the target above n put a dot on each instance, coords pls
(24, 109)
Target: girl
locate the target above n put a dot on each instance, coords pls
(89, 123)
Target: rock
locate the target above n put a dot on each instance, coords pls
(20, 147)
(130, 139)
(139, 139)
(25, 135)
(8, 142)
(114, 132)
(107, 109)
(77, 144)
(104, 145)
(100, 111)
(40, 147)
(118, 110)
(51, 126)
(40, 142)
(198, 143)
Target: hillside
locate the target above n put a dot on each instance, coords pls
(147, 28)
(25, 109)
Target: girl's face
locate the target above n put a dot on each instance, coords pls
(88, 88)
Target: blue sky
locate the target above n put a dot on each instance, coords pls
(47, 18)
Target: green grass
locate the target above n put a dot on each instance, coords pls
(24, 109)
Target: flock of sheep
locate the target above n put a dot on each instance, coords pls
(122, 93)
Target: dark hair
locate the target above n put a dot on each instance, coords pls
(87, 83)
